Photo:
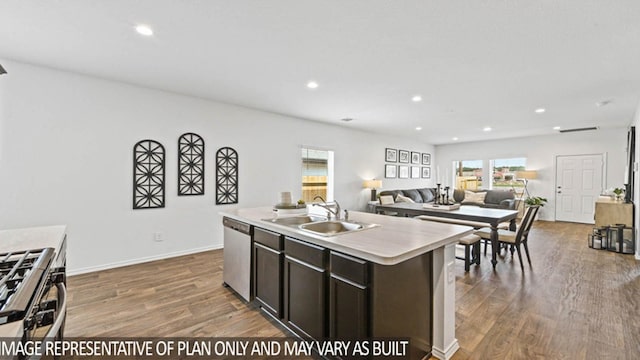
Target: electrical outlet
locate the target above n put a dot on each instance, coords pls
(158, 236)
(451, 276)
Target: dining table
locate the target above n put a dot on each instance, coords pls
(464, 214)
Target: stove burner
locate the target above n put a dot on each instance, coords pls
(21, 274)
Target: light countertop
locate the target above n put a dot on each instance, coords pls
(395, 240)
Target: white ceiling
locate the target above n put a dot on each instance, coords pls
(475, 63)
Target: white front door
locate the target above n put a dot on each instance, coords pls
(578, 184)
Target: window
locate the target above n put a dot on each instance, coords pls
(503, 173)
(317, 174)
(468, 174)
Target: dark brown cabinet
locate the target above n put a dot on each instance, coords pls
(267, 270)
(348, 294)
(305, 288)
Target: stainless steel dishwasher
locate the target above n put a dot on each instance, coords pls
(237, 257)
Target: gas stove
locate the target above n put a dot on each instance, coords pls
(28, 310)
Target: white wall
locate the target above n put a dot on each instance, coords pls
(66, 158)
(541, 152)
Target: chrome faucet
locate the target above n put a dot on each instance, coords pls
(335, 213)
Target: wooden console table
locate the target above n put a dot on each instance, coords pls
(609, 212)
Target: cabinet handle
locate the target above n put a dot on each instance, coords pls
(300, 262)
(337, 277)
(266, 248)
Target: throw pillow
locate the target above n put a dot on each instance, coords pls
(386, 200)
(473, 197)
(402, 198)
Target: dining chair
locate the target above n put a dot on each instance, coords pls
(514, 238)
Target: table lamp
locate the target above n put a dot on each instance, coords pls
(373, 185)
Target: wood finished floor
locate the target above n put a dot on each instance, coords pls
(572, 303)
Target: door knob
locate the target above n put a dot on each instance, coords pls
(559, 192)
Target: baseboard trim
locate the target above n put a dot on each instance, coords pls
(637, 256)
(141, 260)
(447, 353)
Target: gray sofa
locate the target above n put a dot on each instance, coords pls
(495, 199)
(424, 195)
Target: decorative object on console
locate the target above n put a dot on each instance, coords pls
(415, 158)
(390, 171)
(148, 175)
(426, 159)
(190, 165)
(226, 176)
(415, 172)
(404, 156)
(391, 155)
(373, 185)
(403, 172)
(426, 172)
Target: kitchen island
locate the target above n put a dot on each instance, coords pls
(392, 280)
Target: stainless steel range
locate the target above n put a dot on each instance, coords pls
(32, 295)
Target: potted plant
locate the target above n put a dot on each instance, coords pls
(619, 192)
(535, 200)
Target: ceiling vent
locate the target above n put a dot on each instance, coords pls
(579, 129)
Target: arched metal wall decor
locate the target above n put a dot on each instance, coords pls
(148, 175)
(190, 164)
(226, 176)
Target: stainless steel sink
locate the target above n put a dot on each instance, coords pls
(331, 228)
(296, 220)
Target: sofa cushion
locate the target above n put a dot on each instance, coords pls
(427, 195)
(393, 193)
(458, 195)
(413, 194)
(496, 196)
(406, 199)
(386, 199)
(474, 197)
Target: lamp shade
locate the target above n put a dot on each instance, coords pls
(372, 184)
(527, 174)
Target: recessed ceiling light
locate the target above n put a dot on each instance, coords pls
(346, 119)
(144, 30)
(418, 128)
(312, 84)
(416, 98)
(488, 128)
(454, 138)
(556, 128)
(540, 110)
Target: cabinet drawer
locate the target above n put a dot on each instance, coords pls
(311, 254)
(349, 268)
(268, 238)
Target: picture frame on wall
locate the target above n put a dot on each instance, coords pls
(415, 157)
(426, 172)
(391, 155)
(390, 171)
(415, 172)
(403, 171)
(403, 156)
(426, 159)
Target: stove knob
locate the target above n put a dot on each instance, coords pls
(49, 305)
(45, 318)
